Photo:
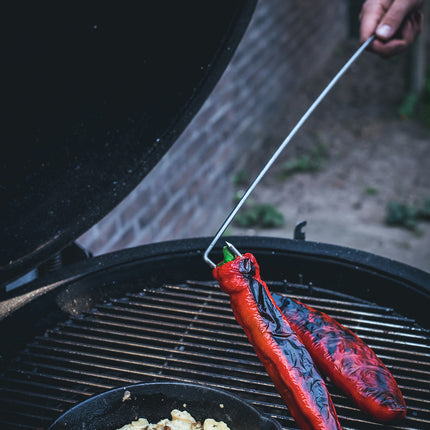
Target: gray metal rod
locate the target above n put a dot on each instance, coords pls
(302, 120)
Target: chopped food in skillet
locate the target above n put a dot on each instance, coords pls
(181, 420)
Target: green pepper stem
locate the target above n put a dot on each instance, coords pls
(228, 256)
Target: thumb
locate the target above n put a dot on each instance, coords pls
(394, 17)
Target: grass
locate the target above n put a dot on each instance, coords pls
(424, 210)
(407, 216)
(401, 215)
(252, 214)
(266, 215)
(371, 191)
(425, 108)
(409, 106)
(306, 163)
(263, 215)
(241, 178)
(416, 106)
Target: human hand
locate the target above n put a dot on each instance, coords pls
(396, 24)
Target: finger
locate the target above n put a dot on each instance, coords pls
(371, 14)
(417, 21)
(393, 19)
(389, 49)
(409, 32)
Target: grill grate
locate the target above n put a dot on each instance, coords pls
(187, 333)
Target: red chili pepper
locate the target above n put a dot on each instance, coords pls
(346, 359)
(286, 360)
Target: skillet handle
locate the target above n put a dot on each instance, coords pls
(270, 423)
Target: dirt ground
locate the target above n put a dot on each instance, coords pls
(371, 157)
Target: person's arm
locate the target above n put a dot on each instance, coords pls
(396, 24)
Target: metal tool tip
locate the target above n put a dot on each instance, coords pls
(233, 249)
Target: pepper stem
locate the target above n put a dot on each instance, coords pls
(228, 256)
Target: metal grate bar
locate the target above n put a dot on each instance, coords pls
(192, 321)
(245, 344)
(82, 378)
(406, 361)
(22, 421)
(136, 341)
(268, 384)
(167, 355)
(172, 354)
(220, 314)
(185, 347)
(377, 332)
(187, 304)
(145, 307)
(327, 303)
(401, 351)
(347, 422)
(151, 311)
(102, 362)
(12, 425)
(31, 385)
(324, 302)
(57, 370)
(42, 408)
(144, 300)
(180, 322)
(375, 346)
(134, 309)
(10, 392)
(169, 359)
(352, 303)
(170, 332)
(89, 384)
(328, 308)
(174, 298)
(121, 323)
(199, 297)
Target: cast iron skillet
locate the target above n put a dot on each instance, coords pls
(154, 401)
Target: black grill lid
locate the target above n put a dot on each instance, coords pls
(94, 95)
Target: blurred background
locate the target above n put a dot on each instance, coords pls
(357, 172)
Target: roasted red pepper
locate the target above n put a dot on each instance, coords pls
(286, 360)
(346, 360)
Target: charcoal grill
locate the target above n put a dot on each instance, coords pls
(151, 313)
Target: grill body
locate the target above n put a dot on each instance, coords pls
(154, 314)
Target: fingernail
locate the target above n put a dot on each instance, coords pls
(384, 31)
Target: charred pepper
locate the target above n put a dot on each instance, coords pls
(346, 360)
(285, 358)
